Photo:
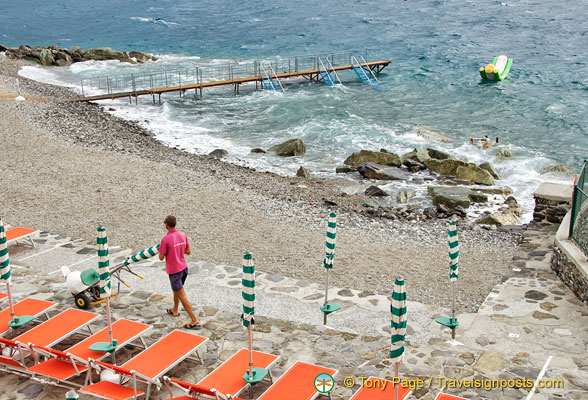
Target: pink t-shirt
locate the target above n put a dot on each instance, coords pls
(173, 246)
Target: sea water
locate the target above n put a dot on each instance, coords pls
(435, 47)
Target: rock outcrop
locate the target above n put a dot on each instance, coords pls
(290, 148)
(472, 173)
(54, 55)
(490, 168)
(376, 157)
(447, 167)
(453, 197)
(375, 171)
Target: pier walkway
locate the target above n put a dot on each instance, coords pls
(261, 72)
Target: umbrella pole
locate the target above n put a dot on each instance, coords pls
(250, 352)
(396, 384)
(110, 326)
(326, 298)
(10, 301)
(453, 309)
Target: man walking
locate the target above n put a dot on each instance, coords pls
(173, 247)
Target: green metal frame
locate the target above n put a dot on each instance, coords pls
(579, 217)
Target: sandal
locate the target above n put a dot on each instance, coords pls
(169, 311)
(190, 326)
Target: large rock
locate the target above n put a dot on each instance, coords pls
(292, 147)
(419, 155)
(141, 57)
(498, 219)
(303, 172)
(438, 154)
(490, 168)
(503, 190)
(405, 195)
(472, 173)
(376, 157)
(453, 197)
(218, 153)
(375, 191)
(554, 168)
(412, 165)
(46, 57)
(382, 172)
(103, 53)
(447, 167)
(343, 169)
(504, 153)
(430, 135)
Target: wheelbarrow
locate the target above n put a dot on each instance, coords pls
(85, 285)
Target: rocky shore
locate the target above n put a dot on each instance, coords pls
(71, 166)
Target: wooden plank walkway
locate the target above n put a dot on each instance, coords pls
(311, 74)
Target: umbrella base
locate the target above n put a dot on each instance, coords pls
(448, 322)
(104, 346)
(17, 322)
(259, 374)
(330, 308)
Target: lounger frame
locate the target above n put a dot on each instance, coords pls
(245, 384)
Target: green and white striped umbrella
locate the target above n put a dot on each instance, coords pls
(248, 291)
(142, 255)
(331, 236)
(398, 309)
(453, 252)
(4, 261)
(103, 263)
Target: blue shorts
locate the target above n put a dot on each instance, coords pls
(177, 280)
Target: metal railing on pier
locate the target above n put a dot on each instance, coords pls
(213, 72)
(579, 217)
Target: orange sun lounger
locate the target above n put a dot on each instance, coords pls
(3, 296)
(443, 396)
(50, 332)
(63, 365)
(27, 306)
(193, 391)
(374, 389)
(147, 366)
(297, 383)
(18, 233)
(227, 379)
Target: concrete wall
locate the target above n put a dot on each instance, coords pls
(569, 262)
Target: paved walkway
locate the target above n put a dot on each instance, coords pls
(526, 319)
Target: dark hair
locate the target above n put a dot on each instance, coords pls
(170, 220)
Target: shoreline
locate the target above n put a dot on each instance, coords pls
(74, 166)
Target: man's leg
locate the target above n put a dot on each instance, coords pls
(176, 309)
(181, 295)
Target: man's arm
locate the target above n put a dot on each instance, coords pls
(187, 252)
(161, 257)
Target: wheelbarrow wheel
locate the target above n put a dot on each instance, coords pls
(82, 301)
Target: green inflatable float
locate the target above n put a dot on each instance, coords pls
(498, 70)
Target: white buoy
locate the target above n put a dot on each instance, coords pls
(19, 98)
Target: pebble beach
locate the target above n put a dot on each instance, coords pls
(69, 167)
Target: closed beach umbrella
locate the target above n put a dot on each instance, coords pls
(398, 310)
(104, 284)
(328, 263)
(453, 269)
(248, 294)
(142, 255)
(5, 265)
(5, 276)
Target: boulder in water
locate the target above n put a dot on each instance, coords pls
(218, 153)
(103, 53)
(303, 172)
(375, 191)
(490, 168)
(472, 173)
(46, 57)
(419, 155)
(258, 150)
(438, 154)
(292, 147)
(376, 157)
(375, 171)
(554, 168)
(447, 167)
(504, 153)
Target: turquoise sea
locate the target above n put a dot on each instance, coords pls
(435, 47)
